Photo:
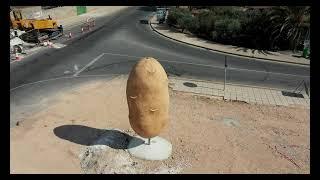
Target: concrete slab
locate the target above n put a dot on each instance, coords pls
(158, 149)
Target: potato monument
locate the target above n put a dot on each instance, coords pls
(148, 98)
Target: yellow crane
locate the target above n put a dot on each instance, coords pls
(41, 28)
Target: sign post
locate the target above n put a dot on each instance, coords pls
(225, 72)
(81, 10)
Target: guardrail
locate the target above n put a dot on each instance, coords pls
(222, 74)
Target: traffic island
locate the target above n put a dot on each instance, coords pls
(86, 130)
(254, 54)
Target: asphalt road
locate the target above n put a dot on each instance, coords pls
(119, 43)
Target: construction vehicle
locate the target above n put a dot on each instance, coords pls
(37, 30)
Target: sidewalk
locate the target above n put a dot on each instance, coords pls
(174, 34)
(239, 93)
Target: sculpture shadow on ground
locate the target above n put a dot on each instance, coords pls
(91, 136)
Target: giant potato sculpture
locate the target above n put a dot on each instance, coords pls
(148, 98)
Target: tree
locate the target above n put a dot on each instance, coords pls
(290, 22)
(206, 21)
(175, 14)
(253, 31)
(227, 29)
(185, 22)
(193, 25)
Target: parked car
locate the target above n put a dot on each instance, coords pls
(161, 21)
(144, 21)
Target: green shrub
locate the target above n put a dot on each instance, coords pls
(189, 22)
(234, 26)
(230, 25)
(182, 23)
(172, 17)
(185, 21)
(226, 30)
(183, 18)
(175, 14)
(206, 22)
(214, 35)
(194, 25)
(227, 11)
(255, 29)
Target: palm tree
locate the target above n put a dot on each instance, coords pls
(292, 23)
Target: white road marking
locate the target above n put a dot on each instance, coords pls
(14, 61)
(165, 60)
(89, 64)
(76, 68)
(37, 49)
(58, 45)
(69, 77)
(220, 67)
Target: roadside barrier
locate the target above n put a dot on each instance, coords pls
(86, 26)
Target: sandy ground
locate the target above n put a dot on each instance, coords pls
(86, 131)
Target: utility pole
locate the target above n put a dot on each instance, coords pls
(225, 72)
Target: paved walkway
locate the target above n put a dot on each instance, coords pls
(174, 34)
(239, 93)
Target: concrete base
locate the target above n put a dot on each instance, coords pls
(159, 148)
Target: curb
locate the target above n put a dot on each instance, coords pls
(275, 60)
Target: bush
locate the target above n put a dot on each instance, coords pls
(188, 22)
(175, 14)
(229, 25)
(214, 35)
(255, 29)
(193, 26)
(234, 26)
(206, 23)
(227, 11)
(172, 17)
(227, 29)
(183, 18)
